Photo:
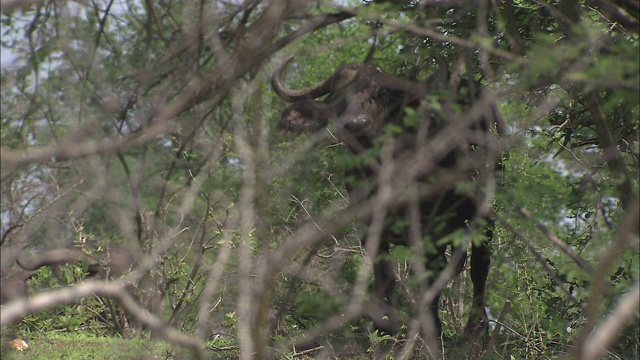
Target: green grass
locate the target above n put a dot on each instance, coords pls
(68, 346)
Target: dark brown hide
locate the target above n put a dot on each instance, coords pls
(12, 279)
(113, 263)
(361, 101)
(359, 96)
(13, 285)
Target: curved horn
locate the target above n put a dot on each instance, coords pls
(291, 95)
(55, 257)
(392, 82)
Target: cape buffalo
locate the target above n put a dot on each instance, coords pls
(13, 284)
(443, 154)
(110, 263)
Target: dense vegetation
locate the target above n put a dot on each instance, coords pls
(152, 125)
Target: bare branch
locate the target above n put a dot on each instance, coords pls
(558, 242)
(19, 308)
(626, 312)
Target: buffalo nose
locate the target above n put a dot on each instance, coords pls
(356, 123)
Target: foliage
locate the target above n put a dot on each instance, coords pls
(152, 125)
(84, 347)
(95, 314)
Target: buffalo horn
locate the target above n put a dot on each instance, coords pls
(290, 95)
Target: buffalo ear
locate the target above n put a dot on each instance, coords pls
(304, 116)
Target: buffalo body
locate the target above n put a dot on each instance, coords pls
(441, 157)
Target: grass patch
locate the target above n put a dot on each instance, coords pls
(49, 346)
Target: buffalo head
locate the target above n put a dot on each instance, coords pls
(361, 99)
(13, 284)
(112, 263)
